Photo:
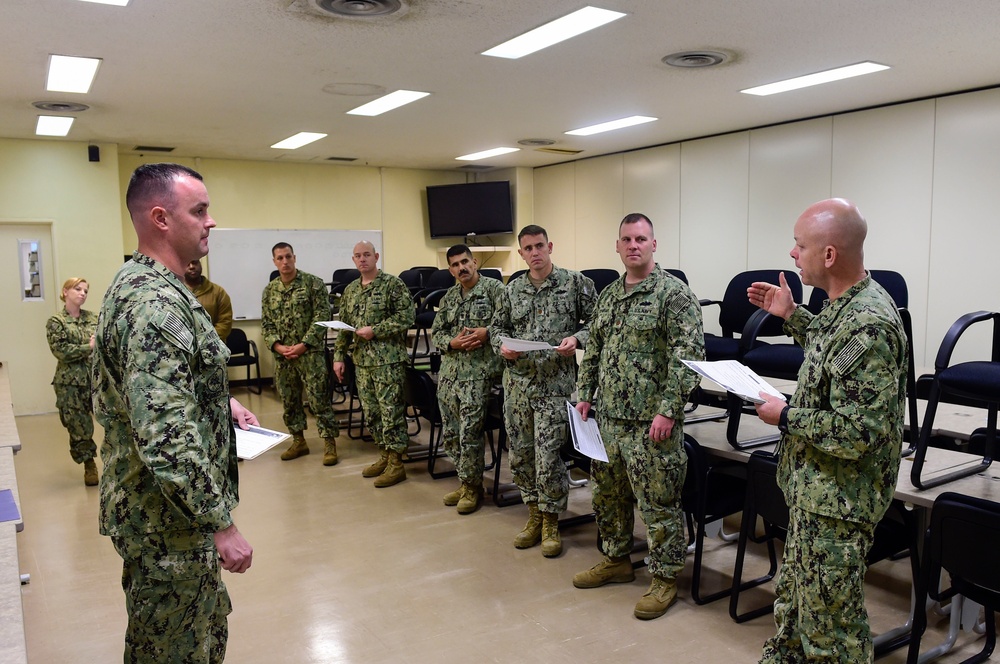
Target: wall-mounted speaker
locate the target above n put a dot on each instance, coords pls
(93, 153)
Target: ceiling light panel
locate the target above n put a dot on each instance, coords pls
(298, 140)
(53, 125)
(71, 74)
(612, 125)
(388, 102)
(561, 29)
(827, 76)
(486, 154)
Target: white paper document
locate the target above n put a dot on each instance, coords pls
(253, 442)
(336, 325)
(523, 345)
(586, 436)
(736, 378)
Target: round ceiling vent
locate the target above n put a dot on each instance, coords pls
(695, 59)
(60, 106)
(535, 142)
(360, 8)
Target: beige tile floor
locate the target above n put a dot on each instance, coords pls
(344, 572)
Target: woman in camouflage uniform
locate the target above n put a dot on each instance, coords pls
(71, 338)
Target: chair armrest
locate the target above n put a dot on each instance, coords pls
(955, 331)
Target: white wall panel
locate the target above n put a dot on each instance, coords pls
(598, 211)
(555, 211)
(652, 181)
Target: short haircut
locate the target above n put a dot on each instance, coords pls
(532, 229)
(153, 184)
(634, 218)
(282, 245)
(457, 249)
(71, 283)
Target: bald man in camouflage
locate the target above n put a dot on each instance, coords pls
(841, 436)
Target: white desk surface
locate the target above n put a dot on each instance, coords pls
(8, 428)
(8, 480)
(12, 644)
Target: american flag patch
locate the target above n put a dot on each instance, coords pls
(849, 355)
(677, 303)
(174, 328)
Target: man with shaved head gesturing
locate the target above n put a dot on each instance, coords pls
(841, 436)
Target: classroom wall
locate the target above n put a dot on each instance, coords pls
(923, 173)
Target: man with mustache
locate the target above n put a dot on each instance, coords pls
(469, 369)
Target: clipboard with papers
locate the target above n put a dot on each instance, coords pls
(735, 377)
(253, 442)
(586, 435)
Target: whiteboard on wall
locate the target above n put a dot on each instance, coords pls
(239, 259)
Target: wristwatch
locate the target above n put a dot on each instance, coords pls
(783, 420)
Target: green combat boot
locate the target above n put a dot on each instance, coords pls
(661, 594)
(330, 455)
(298, 448)
(394, 472)
(376, 468)
(609, 570)
(89, 472)
(532, 532)
(452, 497)
(551, 542)
(472, 498)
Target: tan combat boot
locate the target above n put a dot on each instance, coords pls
(609, 570)
(394, 472)
(376, 468)
(298, 448)
(452, 497)
(472, 498)
(532, 532)
(330, 454)
(661, 594)
(89, 472)
(551, 542)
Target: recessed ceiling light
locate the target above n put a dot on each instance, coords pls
(827, 76)
(612, 125)
(53, 125)
(553, 32)
(486, 154)
(388, 102)
(117, 3)
(298, 140)
(71, 74)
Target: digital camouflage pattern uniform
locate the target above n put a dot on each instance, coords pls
(170, 475)
(217, 303)
(69, 341)
(466, 378)
(631, 372)
(380, 364)
(289, 313)
(537, 384)
(837, 467)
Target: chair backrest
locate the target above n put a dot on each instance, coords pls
(492, 273)
(344, 276)
(677, 273)
(420, 392)
(602, 277)
(893, 283)
(514, 275)
(274, 275)
(237, 342)
(439, 279)
(736, 309)
(762, 489)
(414, 279)
(963, 538)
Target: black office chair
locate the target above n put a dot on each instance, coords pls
(274, 275)
(243, 353)
(420, 395)
(977, 382)
(711, 492)
(514, 275)
(677, 273)
(602, 277)
(423, 321)
(963, 539)
(414, 280)
(338, 282)
(355, 428)
(492, 273)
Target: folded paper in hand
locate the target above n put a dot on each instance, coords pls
(336, 325)
(586, 435)
(523, 345)
(736, 378)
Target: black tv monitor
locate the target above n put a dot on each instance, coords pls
(476, 208)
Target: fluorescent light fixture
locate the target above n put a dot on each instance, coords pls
(298, 140)
(561, 29)
(486, 154)
(71, 74)
(117, 3)
(827, 76)
(612, 125)
(388, 102)
(53, 125)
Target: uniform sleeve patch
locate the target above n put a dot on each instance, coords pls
(849, 354)
(175, 331)
(678, 303)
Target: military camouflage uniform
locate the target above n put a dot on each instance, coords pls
(631, 372)
(69, 341)
(380, 364)
(467, 377)
(217, 303)
(170, 475)
(537, 384)
(837, 467)
(289, 314)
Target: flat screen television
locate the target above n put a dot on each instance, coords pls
(476, 208)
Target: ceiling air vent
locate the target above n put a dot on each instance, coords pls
(344, 159)
(477, 168)
(562, 151)
(60, 106)
(152, 148)
(356, 8)
(695, 59)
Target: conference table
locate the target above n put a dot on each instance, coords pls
(12, 642)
